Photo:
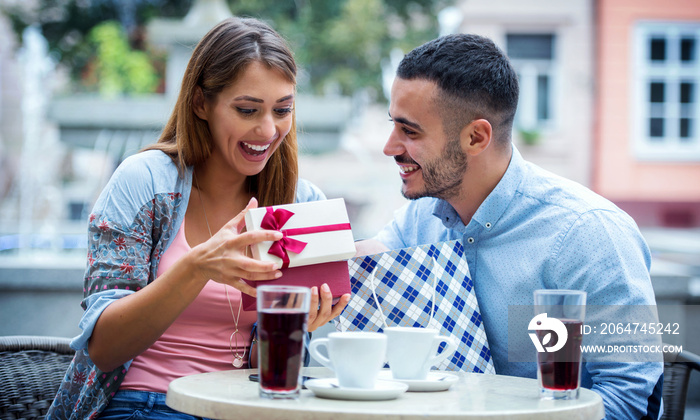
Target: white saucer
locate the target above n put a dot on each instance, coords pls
(436, 381)
(328, 388)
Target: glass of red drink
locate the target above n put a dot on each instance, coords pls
(282, 316)
(558, 326)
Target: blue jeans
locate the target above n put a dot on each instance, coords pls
(141, 405)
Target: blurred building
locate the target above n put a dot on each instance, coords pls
(609, 96)
(551, 46)
(647, 136)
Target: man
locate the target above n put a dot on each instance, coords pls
(523, 228)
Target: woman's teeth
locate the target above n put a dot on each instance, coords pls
(257, 148)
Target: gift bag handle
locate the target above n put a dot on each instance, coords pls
(372, 276)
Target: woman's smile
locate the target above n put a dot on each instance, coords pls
(255, 151)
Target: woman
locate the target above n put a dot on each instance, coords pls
(166, 249)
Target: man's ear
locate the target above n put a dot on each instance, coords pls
(199, 103)
(476, 136)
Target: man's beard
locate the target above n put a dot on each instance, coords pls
(443, 176)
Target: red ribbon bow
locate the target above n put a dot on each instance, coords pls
(274, 220)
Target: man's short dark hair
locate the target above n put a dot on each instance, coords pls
(475, 78)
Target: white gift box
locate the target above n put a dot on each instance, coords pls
(321, 228)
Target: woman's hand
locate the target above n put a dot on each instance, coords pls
(321, 314)
(223, 258)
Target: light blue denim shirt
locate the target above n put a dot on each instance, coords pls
(132, 223)
(537, 230)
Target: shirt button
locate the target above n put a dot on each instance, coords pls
(470, 240)
(488, 225)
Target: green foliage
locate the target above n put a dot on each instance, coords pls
(529, 137)
(354, 39)
(66, 25)
(339, 44)
(119, 69)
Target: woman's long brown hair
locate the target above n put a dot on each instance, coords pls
(218, 59)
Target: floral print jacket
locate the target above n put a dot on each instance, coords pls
(133, 222)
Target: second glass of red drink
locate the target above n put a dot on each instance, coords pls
(559, 317)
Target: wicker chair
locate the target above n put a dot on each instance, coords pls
(31, 370)
(677, 370)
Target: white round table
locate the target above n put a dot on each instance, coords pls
(230, 395)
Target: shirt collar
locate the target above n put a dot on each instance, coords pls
(500, 198)
(491, 210)
(445, 212)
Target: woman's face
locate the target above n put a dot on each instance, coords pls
(249, 119)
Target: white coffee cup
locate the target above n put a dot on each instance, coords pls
(354, 356)
(412, 351)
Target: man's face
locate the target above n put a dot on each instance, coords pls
(430, 163)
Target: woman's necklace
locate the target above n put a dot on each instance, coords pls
(237, 361)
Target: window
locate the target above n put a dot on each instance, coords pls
(533, 58)
(667, 75)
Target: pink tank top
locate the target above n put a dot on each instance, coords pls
(198, 340)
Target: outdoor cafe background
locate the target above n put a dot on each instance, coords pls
(69, 114)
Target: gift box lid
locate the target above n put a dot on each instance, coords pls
(315, 232)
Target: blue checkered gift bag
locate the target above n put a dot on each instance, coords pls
(423, 286)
